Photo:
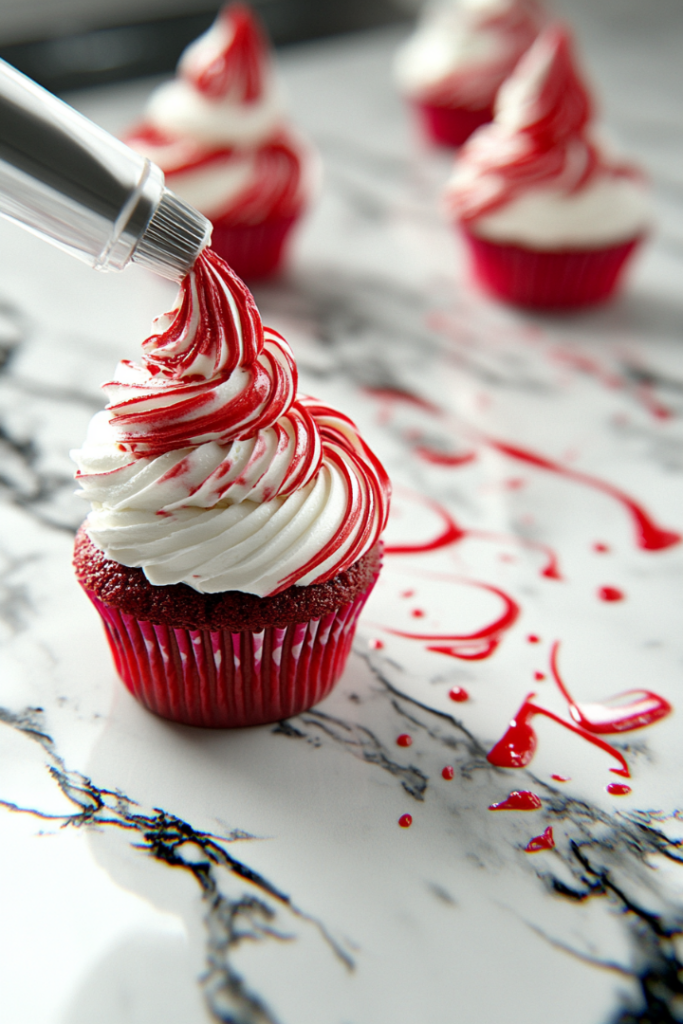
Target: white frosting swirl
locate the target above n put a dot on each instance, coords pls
(207, 469)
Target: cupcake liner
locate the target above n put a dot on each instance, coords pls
(252, 250)
(548, 280)
(451, 126)
(225, 679)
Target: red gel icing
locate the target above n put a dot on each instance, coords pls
(618, 789)
(417, 613)
(458, 694)
(404, 740)
(406, 820)
(519, 800)
(448, 772)
(544, 842)
(533, 639)
(611, 594)
(561, 778)
(539, 676)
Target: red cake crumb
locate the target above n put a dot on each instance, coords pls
(181, 607)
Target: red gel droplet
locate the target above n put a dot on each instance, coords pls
(544, 842)
(375, 645)
(407, 593)
(406, 820)
(618, 789)
(600, 547)
(533, 639)
(417, 613)
(611, 594)
(458, 694)
(561, 778)
(448, 772)
(404, 740)
(519, 800)
(539, 676)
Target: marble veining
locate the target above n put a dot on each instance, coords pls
(156, 873)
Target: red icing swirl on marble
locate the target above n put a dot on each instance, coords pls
(540, 135)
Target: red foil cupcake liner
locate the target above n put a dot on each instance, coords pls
(252, 250)
(223, 679)
(451, 126)
(548, 280)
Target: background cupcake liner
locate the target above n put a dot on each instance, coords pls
(252, 250)
(224, 679)
(451, 126)
(548, 280)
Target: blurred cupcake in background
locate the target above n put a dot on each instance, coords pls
(220, 134)
(462, 51)
(550, 218)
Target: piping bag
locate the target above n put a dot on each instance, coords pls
(75, 185)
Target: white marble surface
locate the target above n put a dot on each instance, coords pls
(153, 873)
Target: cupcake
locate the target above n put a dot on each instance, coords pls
(220, 135)
(235, 524)
(454, 64)
(550, 218)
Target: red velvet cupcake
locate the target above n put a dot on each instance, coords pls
(219, 133)
(234, 536)
(549, 219)
(452, 67)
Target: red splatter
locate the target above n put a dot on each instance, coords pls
(407, 593)
(376, 645)
(561, 778)
(533, 639)
(600, 547)
(404, 740)
(406, 820)
(448, 772)
(458, 694)
(519, 800)
(544, 842)
(417, 613)
(632, 709)
(539, 676)
(518, 746)
(611, 594)
(618, 789)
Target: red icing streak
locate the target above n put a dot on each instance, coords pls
(518, 746)
(444, 458)
(519, 800)
(539, 676)
(649, 536)
(611, 594)
(618, 789)
(533, 639)
(600, 547)
(448, 772)
(566, 778)
(404, 740)
(544, 842)
(632, 709)
(406, 820)
(459, 694)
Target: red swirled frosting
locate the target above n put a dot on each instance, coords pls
(218, 130)
(540, 138)
(461, 54)
(208, 468)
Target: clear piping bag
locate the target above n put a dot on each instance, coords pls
(72, 183)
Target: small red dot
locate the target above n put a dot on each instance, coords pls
(417, 613)
(375, 645)
(406, 820)
(404, 740)
(458, 694)
(611, 594)
(448, 772)
(600, 547)
(539, 676)
(618, 789)
(533, 639)
(407, 593)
